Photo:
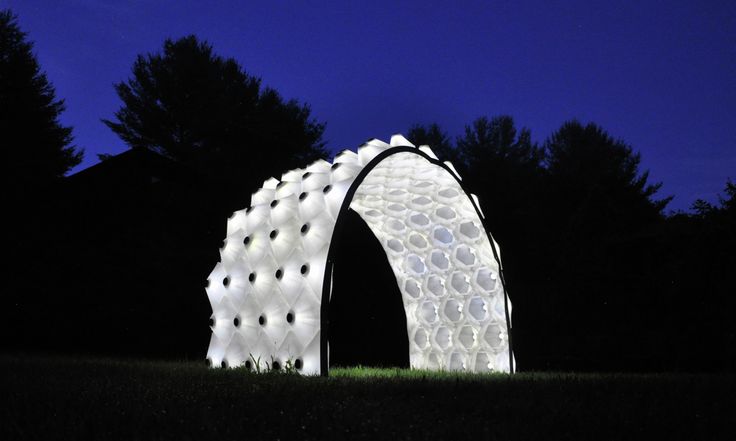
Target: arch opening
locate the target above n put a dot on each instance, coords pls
(367, 322)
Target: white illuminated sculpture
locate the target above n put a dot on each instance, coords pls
(269, 294)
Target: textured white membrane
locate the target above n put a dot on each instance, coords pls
(266, 291)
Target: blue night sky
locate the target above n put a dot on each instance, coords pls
(661, 75)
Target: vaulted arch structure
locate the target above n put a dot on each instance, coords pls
(271, 289)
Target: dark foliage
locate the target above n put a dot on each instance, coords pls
(196, 107)
(37, 148)
(432, 135)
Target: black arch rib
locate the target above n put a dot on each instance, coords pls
(327, 281)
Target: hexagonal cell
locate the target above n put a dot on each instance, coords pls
(483, 362)
(396, 195)
(415, 263)
(456, 361)
(439, 260)
(434, 361)
(466, 336)
(427, 312)
(436, 286)
(395, 225)
(477, 309)
(411, 287)
(445, 213)
(395, 245)
(418, 241)
(424, 187)
(459, 283)
(448, 193)
(443, 235)
(396, 208)
(469, 230)
(465, 255)
(419, 220)
(421, 338)
(486, 279)
(453, 310)
(443, 337)
(421, 201)
(494, 336)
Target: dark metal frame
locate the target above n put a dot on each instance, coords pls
(327, 281)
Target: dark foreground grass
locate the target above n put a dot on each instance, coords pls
(64, 398)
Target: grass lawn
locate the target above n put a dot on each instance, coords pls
(86, 398)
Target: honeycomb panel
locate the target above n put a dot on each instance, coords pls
(266, 291)
(443, 264)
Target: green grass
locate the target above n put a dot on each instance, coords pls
(66, 398)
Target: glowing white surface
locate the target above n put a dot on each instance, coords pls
(433, 238)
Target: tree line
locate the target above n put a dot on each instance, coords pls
(599, 275)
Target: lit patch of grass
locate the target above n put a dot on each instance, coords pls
(410, 374)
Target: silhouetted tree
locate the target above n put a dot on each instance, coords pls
(504, 167)
(727, 204)
(595, 184)
(37, 147)
(197, 107)
(433, 136)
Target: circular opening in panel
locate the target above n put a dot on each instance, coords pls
(280, 184)
(236, 321)
(298, 363)
(223, 364)
(273, 234)
(279, 274)
(226, 281)
(327, 189)
(248, 365)
(252, 277)
(274, 203)
(306, 175)
(302, 196)
(276, 365)
(305, 228)
(246, 240)
(262, 320)
(304, 269)
(335, 165)
(290, 317)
